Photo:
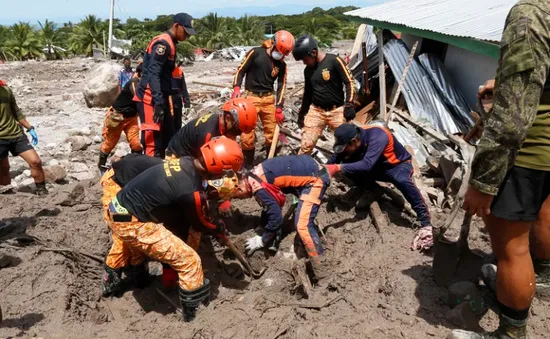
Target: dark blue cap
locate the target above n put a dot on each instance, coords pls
(186, 21)
(344, 134)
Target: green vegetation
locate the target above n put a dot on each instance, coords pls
(23, 41)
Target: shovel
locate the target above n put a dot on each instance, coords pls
(453, 259)
(256, 275)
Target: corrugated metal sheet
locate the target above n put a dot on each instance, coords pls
(450, 94)
(423, 100)
(478, 19)
(408, 136)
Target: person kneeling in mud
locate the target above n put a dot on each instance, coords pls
(166, 192)
(295, 174)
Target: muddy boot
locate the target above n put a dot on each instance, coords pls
(41, 189)
(190, 300)
(320, 268)
(249, 158)
(112, 282)
(138, 276)
(508, 329)
(101, 164)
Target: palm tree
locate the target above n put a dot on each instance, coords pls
(51, 38)
(321, 32)
(24, 44)
(5, 50)
(249, 30)
(87, 35)
(214, 31)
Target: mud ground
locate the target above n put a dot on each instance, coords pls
(379, 288)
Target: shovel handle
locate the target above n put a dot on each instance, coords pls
(256, 275)
(274, 141)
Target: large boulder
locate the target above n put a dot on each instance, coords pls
(55, 173)
(101, 89)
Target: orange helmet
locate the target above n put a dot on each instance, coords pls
(244, 113)
(284, 42)
(226, 186)
(222, 154)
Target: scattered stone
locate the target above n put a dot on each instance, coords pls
(467, 292)
(55, 173)
(27, 173)
(120, 153)
(84, 131)
(53, 162)
(98, 139)
(83, 176)
(463, 317)
(26, 183)
(78, 167)
(66, 97)
(79, 143)
(102, 89)
(51, 145)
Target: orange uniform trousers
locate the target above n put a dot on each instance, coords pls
(266, 111)
(111, 134)
(158, 243)
(315, 122)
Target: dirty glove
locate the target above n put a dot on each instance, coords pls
(349, 112)
(236, 92)
(279, 115)
(225, 209)
(423, 239)
(158, 116)
(301, 121)
(333, 169)
(253, 244)
(32, 132)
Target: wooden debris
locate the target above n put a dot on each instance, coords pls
(365, 68)
(382, 74)
(357, 44)
(294, 136)
(417, 176)
(298, 90)
(389, 118)
(365, 115)
(426, 129)
(434, 182)
(210, 84)
(378, 218)
(298, 270)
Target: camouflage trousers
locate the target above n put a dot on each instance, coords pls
(266, 111)
(112, 130)
(315, 122)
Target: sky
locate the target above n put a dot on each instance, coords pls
(73, 10)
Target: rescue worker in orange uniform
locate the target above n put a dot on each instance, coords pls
(324, 102)
(166, 192)
(262, 66)
(302, 176)
(237, 116)
(121, 117)
(159, 81)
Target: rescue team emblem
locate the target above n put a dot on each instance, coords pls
(161, 49)
(326, 74)
(275, 72)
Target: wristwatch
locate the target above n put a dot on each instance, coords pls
(30, 129)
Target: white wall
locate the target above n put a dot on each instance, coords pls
(469, 71)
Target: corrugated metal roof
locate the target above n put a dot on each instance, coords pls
(478, 19)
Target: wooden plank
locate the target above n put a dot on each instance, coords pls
(364, 116)
(294, 136)
(210, 84)
(357, 44)
(435, 182)
(378, 219)
(382, 75)
(426, 129)
(401, 82)
(365, 68)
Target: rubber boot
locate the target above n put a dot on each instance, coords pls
(101, 164)
(542, 275)
(190, 300)
(112, 282)
(41, 189)
(320, 268)
(139, 276)
(249, 158)
(508, 329)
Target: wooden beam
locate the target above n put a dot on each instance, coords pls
(210, 84)
(381, 75)
(364, 116)
(389, 118)
(426, 129)
(357, 44)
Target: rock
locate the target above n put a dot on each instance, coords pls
(83, 176)
(466, 292)
(463, 317)
(79, 143)
(71, 195)
(78, 167)
(53, 162)
(51, 145)
(101, 89)
(84, 131)
(27, 173)
(26, 183)
(98, 139)
(120, 153)
(55, 173)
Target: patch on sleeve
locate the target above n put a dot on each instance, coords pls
(161, 49)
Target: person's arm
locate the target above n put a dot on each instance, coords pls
(17, 111)
(375, 149)
(281, 85)
(185, 92)
(160, 54)
(243, 69)
(200, 216)
(521, 75)
(347, 80)
(273, 213)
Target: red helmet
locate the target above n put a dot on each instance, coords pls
(284, 42)
(244, 113)
(222, 154)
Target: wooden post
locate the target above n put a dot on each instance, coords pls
(381, 75)
(401, 82)
(365, 68)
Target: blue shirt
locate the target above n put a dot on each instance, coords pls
(124, 76)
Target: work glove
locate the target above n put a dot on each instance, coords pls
(349, 112)
(220, 229)
(279, 115)
(253, 244)
(423, 239)
(301, 121)
(236, 92)
(225, 209)
(333, 169)
(158, 116)
(32, 132)
(186, 102)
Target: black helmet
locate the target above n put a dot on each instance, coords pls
(303, 47)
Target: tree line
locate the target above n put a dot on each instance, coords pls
(47, 39)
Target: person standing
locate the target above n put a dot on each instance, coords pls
(510, 180)
(157, 85)
(324, 102)
(262, 66)
(125, 74)
(14, 141)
